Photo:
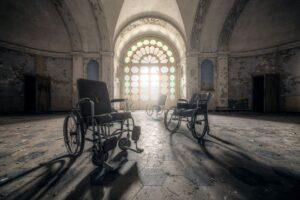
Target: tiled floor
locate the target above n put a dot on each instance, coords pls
(246, 156)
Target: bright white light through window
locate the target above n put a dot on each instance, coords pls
(149, 71)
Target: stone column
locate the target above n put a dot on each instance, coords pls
(222, 86)
(77, 73)
(108, 72)
(191, 74)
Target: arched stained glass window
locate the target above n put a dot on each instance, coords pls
(207, 75)
(93, 70)
(149, 70)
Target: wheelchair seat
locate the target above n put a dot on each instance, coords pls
(113, 117)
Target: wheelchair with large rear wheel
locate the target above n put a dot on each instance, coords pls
(193, 112)
(109, 128)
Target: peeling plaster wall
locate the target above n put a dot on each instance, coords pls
(14, 65)
(60, 71)
(285, 63)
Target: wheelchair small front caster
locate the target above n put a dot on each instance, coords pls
(136, 133)
(98, 158)
(124, 143)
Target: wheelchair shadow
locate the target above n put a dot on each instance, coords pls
(231, 168)
(105, 185)
(36, 182)
(254, 179)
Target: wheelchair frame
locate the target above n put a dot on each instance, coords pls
(159, 108)
(195, 113)
(104, 138)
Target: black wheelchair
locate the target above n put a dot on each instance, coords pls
(158, 108)
(94, 113)
(194, 112)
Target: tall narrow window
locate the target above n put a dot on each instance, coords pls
(207, 75)
(93, 70)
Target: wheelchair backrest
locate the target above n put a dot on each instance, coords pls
(96, 91)
(203, 97)
(162, 100)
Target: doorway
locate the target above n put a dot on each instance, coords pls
(265, 93)
(37, 94)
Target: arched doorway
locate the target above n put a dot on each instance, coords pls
(149, 69)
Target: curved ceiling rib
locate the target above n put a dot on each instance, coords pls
(202, 9)
(166, 9)
(67, 18)
(150, 26)
(105, 40)
(230, 23)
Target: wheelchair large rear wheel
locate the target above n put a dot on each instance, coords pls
(172, 121)
(73, 134)
(198, 126)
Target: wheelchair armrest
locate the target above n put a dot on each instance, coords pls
(118, 100)
(202, 104)
(182, 101)
(125, 101)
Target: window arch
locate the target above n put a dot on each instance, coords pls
(93, 70)
(149, 70)
(207, 75)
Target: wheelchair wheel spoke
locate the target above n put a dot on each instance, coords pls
(198, 126)
(73, 135)
(171, 121)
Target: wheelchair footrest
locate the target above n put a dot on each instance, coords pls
(110, 144)
(136, 132)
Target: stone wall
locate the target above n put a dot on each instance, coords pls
(60, 71)
(14, 65)
(286, 63)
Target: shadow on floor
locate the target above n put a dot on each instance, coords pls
(105, 185)
(289, 118)
(220, 162)
(34, 183)
(15, 119)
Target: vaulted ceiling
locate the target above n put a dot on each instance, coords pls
(93, 25)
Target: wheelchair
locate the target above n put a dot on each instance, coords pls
(158, 108)
(193, 112)
(109, 128)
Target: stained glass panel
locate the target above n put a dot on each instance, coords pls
(149, 72)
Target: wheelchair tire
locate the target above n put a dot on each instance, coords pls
(73, 134)
(171, 121)
(198, 126)
(149, 110)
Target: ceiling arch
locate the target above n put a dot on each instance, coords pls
(208, 23)
(198, 23)
(150, 26)
(230, 23)
(86, 22)
(70, 25)
(35, 25)
(266, 24)
(132, 10)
